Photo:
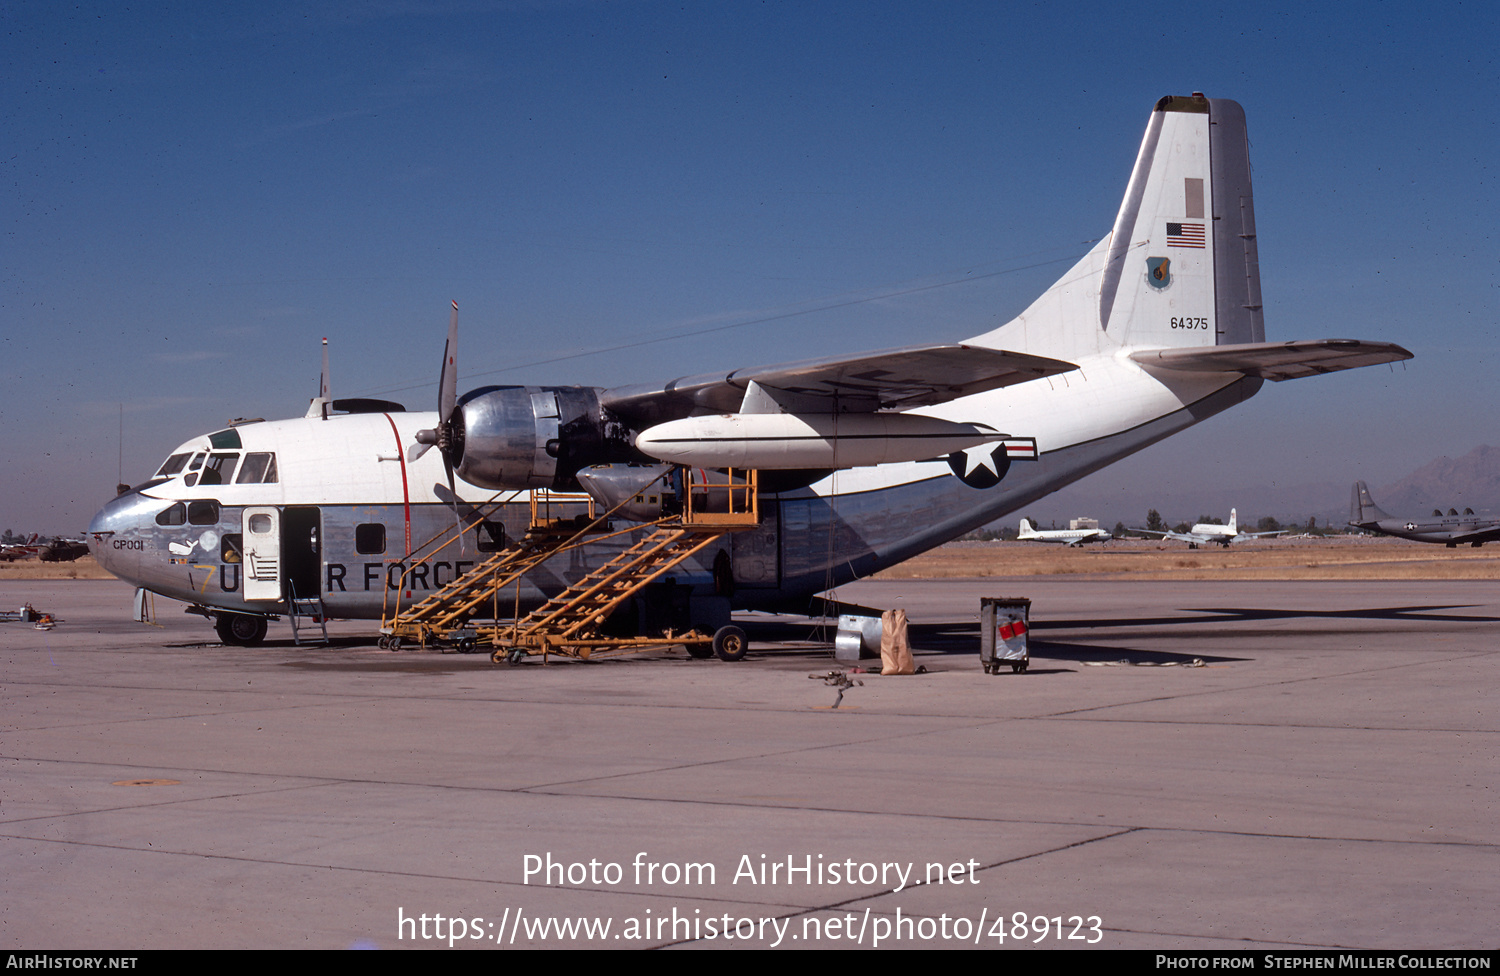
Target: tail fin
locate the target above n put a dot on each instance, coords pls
(1234, 522)
(1362, 507)
(1180, 267)
(1026, 530)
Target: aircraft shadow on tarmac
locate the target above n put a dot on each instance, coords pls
(1246, 614)
(962, 637)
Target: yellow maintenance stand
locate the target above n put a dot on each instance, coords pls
(571, 623)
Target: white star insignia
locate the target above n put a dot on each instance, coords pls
(982, 456)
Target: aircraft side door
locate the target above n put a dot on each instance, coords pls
(262, 530)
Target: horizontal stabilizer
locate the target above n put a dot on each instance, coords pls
(895, 379)
(1274, 360)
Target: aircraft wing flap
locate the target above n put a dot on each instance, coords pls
(1274, 360)
(893, 379)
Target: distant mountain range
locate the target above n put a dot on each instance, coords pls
(1471, 481)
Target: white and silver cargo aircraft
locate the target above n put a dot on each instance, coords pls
(1202, 533)
(866, 459)
(1072, 537)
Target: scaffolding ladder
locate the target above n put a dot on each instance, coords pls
(443, 615)
(571, 623)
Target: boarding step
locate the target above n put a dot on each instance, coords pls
(307, 613)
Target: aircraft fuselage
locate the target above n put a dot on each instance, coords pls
(347, 508)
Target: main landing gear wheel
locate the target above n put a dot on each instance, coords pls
(240, 629)
(730, 643)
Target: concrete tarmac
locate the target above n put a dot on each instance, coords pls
(1327, 779)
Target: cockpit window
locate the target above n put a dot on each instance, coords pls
(259, 468)
(218, 469)
(176, 515)
(172, 465)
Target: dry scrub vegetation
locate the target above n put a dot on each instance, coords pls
(84, 567)
(1339, 558)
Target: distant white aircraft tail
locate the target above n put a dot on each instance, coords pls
(1027, 530)
(1234, 522)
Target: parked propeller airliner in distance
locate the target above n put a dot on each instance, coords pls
(1451, 530)
(866, 459)
(1071, 537)
(1203, 533)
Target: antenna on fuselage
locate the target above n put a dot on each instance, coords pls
(323, 402)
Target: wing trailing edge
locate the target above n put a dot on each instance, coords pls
(1274, 360)
(892, 379)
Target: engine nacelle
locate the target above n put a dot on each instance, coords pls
(509, 437)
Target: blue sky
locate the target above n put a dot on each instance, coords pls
(196, 194)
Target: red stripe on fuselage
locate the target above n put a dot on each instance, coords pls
(405, 492)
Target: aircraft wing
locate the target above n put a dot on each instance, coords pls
(1489, 533)
(1178, 536)
(1274, 360)
(893, 379)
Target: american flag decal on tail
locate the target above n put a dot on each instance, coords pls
(1185, 235)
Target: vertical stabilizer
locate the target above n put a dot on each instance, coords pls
(1181, 267)
(1362, 507)
(1234, 522)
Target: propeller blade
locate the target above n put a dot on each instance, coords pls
(448, 380)
(458, 521)
(447, 401)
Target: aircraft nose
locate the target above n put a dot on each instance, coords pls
(120, 532)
